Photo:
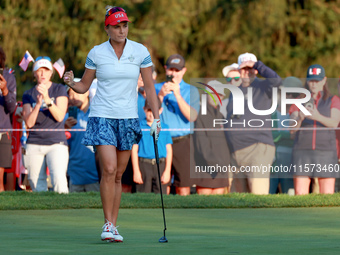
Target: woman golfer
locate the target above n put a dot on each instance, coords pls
(113, 126)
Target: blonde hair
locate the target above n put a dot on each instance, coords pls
(108, 7)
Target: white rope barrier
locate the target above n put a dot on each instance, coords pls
(181, 129)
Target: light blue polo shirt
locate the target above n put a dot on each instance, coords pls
(172, 115)
(141, 103)
(146, 147)
(116, 95)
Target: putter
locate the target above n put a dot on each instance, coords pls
(163, 238)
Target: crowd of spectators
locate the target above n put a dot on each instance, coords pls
(191, 139)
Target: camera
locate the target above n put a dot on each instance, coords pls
(169, 78)
(73, 111)
(310, 104)
(141, 90)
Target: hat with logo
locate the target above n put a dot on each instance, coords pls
(218, 86)
(292, 82)
(115, 15)
(246, 57)
(175, 61)
(315, 72)
(42, 62)
(227, 69)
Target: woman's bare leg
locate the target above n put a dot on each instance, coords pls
(2, 171)
(122, 161)
(327, 185)
(301, 185)
(107, 155)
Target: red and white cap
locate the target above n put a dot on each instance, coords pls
(116, 17)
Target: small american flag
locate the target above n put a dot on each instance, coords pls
(60, 67)
(25, 61)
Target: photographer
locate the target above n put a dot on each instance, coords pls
(180, 102)
(7, 107)
(315, 151)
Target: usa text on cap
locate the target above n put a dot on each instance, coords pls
(115, 15)
(42, 63)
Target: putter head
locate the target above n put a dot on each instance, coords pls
(163, 239)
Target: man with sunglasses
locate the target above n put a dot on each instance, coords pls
(252, 148)
(232, 74)
(180, 102)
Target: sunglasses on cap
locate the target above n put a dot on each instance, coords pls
(114, 10)
(229, 79)
(43, 57)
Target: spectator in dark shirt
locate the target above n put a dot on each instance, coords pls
(7, 107)
(212, 156)
(252, 149)
(44, 107)
(315, 151)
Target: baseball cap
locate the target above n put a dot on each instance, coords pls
(115, 15)
(292, 82)
(246, 57)
(42, 62)
(315, 72)
(175, 61)
(218, 86)
(229, 68)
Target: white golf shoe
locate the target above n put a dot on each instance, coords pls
(107, 234)
(116, 236)
(110, 233)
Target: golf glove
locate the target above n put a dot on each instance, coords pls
(155, 128)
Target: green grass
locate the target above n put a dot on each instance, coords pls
(190, 231)
(51, 223)
(50, 200)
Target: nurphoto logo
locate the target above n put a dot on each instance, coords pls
(240, 100)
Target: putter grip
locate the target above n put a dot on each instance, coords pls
(156, 148)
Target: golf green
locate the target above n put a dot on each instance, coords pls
(190, 231)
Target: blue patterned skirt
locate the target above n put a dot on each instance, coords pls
(121, 133)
